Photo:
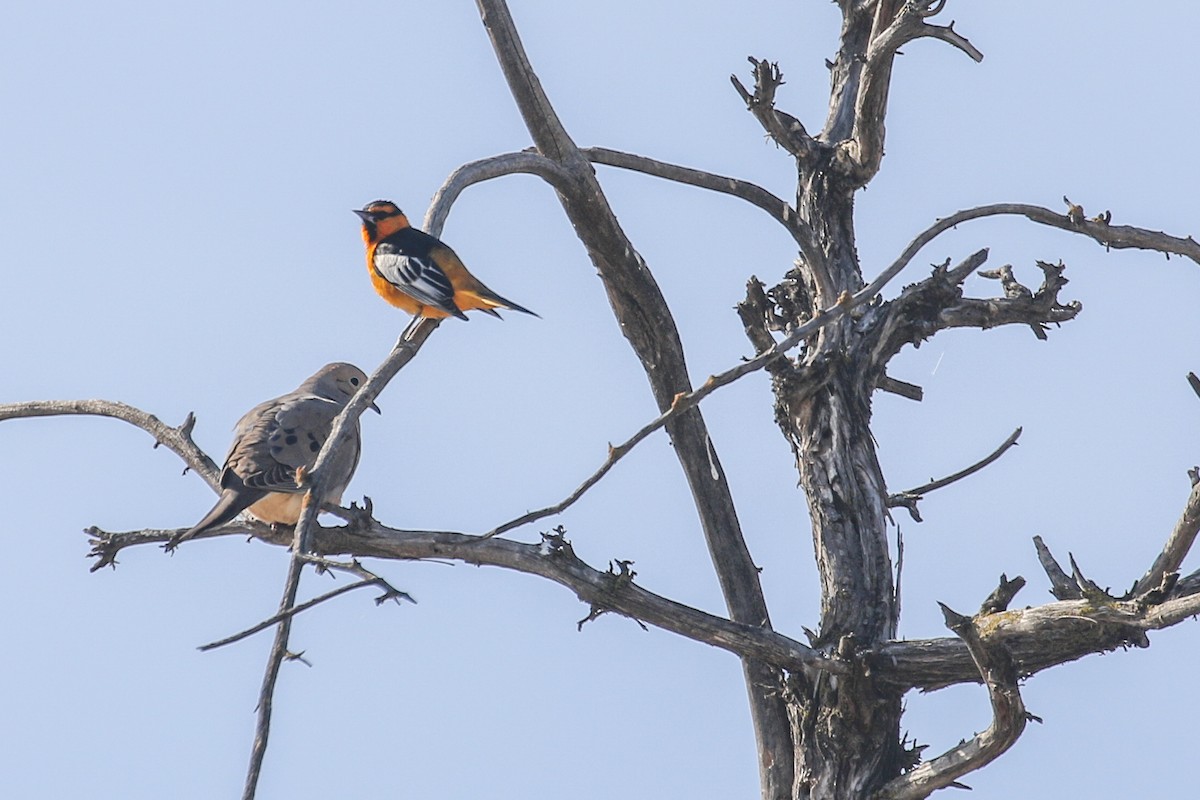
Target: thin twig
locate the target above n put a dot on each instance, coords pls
(279, 651)
(688, 400)
(910, 497)
(287, 613)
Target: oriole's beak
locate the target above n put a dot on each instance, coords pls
(365, 216)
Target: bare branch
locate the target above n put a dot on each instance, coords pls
(177, 440)
(1038, 638)
(365, 578)
(554, 559)
(646, 321)
(266, 696)
(1194, 382)
(287, 613)
(1008, 718)
(484, 170)
(909, 498)
(1061, 584)
(1177, 546)
(688, 400)
(909, 391)
(779, 210)
(405, 350)
(1111, 236)
(787, 131)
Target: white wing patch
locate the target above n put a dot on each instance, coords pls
(419, 278)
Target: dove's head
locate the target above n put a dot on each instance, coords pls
(338, 382)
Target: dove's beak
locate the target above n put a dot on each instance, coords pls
(375, 408)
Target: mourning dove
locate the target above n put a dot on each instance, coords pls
(274, 440)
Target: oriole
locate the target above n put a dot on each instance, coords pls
(419, 273)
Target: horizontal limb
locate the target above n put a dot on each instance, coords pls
(177, 439)
(1111, 236)
(553, 558)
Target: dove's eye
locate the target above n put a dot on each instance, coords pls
(354, 381)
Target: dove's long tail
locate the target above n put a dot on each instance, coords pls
(228, 506)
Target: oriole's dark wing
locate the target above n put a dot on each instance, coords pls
(408, 260)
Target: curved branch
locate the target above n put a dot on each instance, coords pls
(1038, 638)
(485, 170)
(779, 210)
(893, 24)
(1111, 236)
(1008, 719)
(177, 439)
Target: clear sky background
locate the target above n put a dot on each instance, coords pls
(175, 233)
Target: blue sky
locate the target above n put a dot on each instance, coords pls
(176, 234)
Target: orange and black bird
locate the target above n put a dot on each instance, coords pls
(419, 273)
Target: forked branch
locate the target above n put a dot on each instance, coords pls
(786, 131)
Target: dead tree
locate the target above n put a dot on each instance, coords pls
(826, 713)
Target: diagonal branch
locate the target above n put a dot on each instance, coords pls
(909, 498)
(1177, 546)
(554, 559)
(689, 400)
(405, 350)
(1008, 719)
(1062, 586)
(786, 131)
(365, 578)
(647, 323)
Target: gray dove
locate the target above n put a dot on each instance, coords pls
(278, 437)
